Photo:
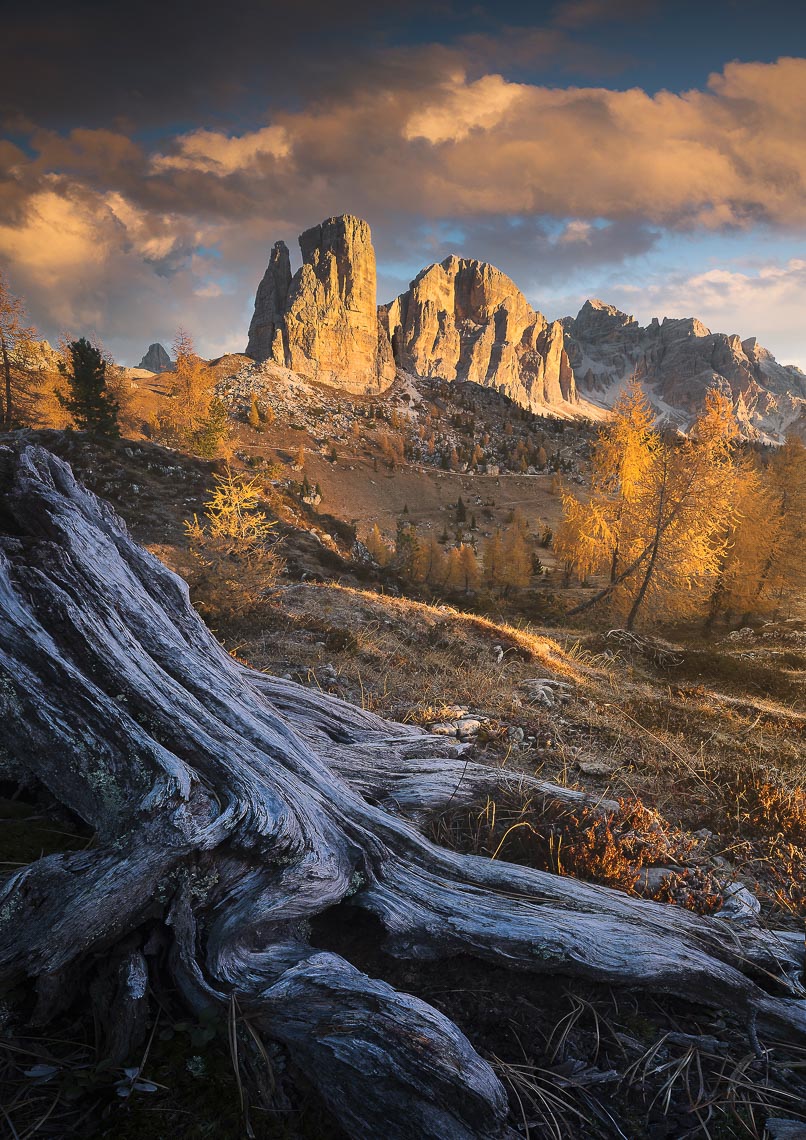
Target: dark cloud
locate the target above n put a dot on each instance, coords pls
(583, 13)
(147, 62)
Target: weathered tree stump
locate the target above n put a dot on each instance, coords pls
(232, 807)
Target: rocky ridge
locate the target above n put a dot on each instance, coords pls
(466, 320)
(677, 361)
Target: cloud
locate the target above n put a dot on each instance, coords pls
(465, 109)
(581, 13)
(732, 154)
(211, 152)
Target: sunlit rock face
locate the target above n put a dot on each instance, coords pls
(156, 359)
(677, 361)
(323, 322)
(465, 320)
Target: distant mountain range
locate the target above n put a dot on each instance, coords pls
(465, 320)
(677, 361)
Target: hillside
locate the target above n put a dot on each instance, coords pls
(701, 743)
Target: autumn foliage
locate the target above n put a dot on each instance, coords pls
(685, 526)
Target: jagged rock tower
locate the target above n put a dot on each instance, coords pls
(265, 330)
(323, 323)
(156, 359)
(466, 320)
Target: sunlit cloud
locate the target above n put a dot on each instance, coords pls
(211, 152)
(463, 108)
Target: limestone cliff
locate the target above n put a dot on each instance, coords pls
(323, 322)
(465, 320)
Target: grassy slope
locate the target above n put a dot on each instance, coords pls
(716, 742)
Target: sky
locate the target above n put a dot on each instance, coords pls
(651, 154)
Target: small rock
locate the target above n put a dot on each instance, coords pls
(443, 729)
(515, 734)
(595, 768)
(651, 878)
(468, 728)
(740, 905)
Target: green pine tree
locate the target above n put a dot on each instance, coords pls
(88, 399)
(207, 439)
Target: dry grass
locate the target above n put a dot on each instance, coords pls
(682, 751)
(582, 842)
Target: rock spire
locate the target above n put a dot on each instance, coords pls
(156, 359)
(323, 322)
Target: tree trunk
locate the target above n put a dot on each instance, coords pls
(7, 411)
(650, 569)
(232, 807)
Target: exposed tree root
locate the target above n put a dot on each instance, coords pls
(231, 808)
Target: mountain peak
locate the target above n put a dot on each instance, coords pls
(156, 359)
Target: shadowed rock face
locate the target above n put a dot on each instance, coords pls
(323, 322)
(465, 320)
(156, 359)
(270, 302)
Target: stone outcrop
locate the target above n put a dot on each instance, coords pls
(270, 304)
(323, 323)
(465, 320)
(156, 359)
(677, 361)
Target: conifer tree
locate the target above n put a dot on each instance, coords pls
(405, 549)
(194, 418)
(516, 560)
(88, 398)
(378, 547)
(429, 561)
(254, 414)
(493, 558)
(763, 563)
(469, 568)
(658, 518)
